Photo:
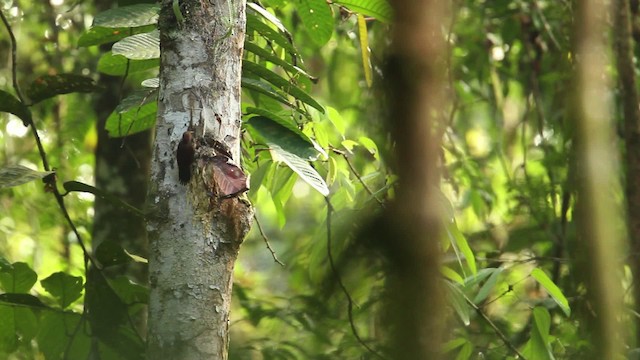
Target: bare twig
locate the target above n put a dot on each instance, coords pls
(336, 274)
(266, 241)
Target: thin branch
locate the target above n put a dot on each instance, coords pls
(357, 175)
(494, 327)
(336, 274)
(266, 241)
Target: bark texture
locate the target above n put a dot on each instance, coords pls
(415, 75)
(596, 206)
(630, 100)
(194, 236)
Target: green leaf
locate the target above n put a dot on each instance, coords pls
(55, 331)
(451, 274)
(281, 83)
(22, 299)
(136, 100)
(255, 24)
(458, 302)
(128, 16)
(8, 335)
(133, 121)
(465, 352)
(486, 288)
(300, 167)
(64, 287)
(538, 347)
(48, 86)
(271, 57)
(98, 35)
(363, 35)
(285, 138)
(460, 246)
(130, 292)
(317, 19)
(139, 47)
(15, 175)
(379, 9)
(109, 253)
(552, 289)
(264, 89)
(116, 65)
(289, 124)
(11, 104)
(17, 278)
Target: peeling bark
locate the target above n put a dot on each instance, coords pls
(194, 235)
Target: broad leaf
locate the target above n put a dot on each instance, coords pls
(255, 24)
(64, 287)
(552, 289)
(132, 121)
(98, 35)
(379, 9)
(11, 104)
(129, 291)
(17, 278)
(281, 83)
(317, 19)
(538, 348)
(285, 138)
(15, 175)
(118, 65)
(136, 100)
(139, 47)
(48, 86)
(55, 331)
(458, 302)
(265, 89)
(300, 167)
(128, 16)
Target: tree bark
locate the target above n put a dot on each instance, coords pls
(630, 100)
(416, 90)
(596, 208)
(194, 235)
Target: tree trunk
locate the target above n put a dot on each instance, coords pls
(416, 90)
(596, 208)
(194, 234)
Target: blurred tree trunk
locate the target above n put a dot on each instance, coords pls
(194, 235)
(630, 101)
(416, 91)
(597, 210)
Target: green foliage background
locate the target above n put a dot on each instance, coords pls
(507, 193)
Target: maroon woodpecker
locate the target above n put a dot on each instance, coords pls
(185, 156)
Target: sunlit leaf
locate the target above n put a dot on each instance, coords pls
(379, 9)
(451, 274)
(17, 278)
(538, 348)
(363, 34)
(64, 287)
(317, 19)
(300, 167)
(98, 35)
(15, 175)
(133, 121)
(552, 289)
(118, 65)
(139, 47)
(128, 16)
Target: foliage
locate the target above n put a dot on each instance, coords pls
(317, 151)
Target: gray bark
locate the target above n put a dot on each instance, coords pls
(195, 237)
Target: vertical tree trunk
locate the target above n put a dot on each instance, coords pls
(596, 208)
(416, 91)
(629, 97)
(194, 235)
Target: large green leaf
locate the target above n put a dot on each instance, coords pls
(287, 139)
(265, 89)
(48, 86)
(17, 278)
(317, 19)
(15, 175)
(379, 9)
(281, 83)
(98, 35)
(300, 167)
(64, 287)
(139, 47)
(458, 302)
(553, 290)
(55, 333)
(11, 104)
(538, 348)
(133, 121)
(118, 65)
(128, 16)
(289, 124)
(255, 24)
